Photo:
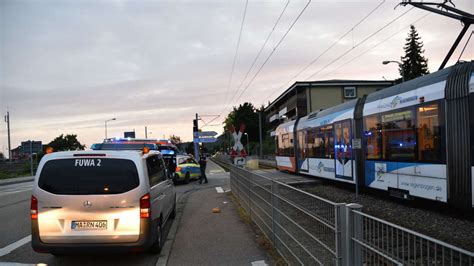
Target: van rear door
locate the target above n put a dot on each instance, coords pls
(88, 200)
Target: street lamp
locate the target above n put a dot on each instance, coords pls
(106, 125)
(399, 64)
(248, 149)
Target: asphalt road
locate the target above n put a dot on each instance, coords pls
(15, 226)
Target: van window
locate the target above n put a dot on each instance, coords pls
(87, 176)
(156, 170)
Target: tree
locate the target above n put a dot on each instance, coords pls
(175, 139)
(66, 143)
(414, 64)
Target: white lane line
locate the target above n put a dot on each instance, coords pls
(219, 190)
(4, 251)
(19, 264)
(259, 263)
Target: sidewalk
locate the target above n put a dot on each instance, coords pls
(15, 180)
(206, 238)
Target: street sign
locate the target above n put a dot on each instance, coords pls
(205, 134)
(204, 140)
(356, 143)
(36, 147)
(129, 134)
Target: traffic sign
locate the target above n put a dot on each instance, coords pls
(205, 134)
(31, 146)
(205, 140)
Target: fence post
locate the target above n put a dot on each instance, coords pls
(340, 234)
(249, 194)
(273, 213)
(354, 229)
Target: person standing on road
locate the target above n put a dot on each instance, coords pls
(202, 166)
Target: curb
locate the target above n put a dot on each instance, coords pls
(17, 180)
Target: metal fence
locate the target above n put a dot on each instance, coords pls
(309, 230)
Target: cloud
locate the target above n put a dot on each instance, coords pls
(68, 66)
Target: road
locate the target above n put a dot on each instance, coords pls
(15, 227)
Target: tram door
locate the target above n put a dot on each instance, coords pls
(302, 151)
(343, 149)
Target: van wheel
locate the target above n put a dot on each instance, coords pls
(186, 178)
(157, 245)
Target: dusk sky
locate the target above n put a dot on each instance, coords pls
(67, 66)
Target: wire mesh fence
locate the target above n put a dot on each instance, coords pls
(301, 226)
(309, 230)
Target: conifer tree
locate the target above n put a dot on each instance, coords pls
(414, 64)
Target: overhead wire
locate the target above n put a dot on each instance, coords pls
(261, 49)
(377, 44)
(328, 48)
(338, 40)
(236, 51)
(274, 49)
(359, 43)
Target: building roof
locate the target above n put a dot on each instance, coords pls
(331, 82)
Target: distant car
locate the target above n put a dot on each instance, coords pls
(186, 169)
(95, 201)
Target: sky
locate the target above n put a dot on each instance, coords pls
(68, 66)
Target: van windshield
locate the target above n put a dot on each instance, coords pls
(86, 176)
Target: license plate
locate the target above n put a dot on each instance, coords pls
(89, 225)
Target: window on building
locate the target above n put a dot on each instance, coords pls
(350, 92)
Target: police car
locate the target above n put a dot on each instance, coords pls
(186, 169)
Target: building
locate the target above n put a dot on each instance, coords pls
(304, 97)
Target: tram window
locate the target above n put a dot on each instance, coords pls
(311, 143)
(428, 129)
(399, 135)
(373, 133)
(319, 143)
(328, 141)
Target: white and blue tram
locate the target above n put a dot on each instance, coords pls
(416, 139)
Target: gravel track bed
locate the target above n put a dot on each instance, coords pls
(457, 231)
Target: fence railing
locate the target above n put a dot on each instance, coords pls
(307, 230)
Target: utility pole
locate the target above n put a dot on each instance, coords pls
(260, 132)
(7, 120)
(146, 133)
(196, 129)
(31, 156)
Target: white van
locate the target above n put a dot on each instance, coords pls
(96, 201)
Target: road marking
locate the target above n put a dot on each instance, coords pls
(219, 190)
(259, 263)
(20, 264)
(4, 251)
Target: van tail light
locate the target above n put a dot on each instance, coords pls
(34, 208)
(145, 206)
(178, 169)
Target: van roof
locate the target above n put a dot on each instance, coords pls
(124, 154)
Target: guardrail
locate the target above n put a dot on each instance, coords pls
(306, 229)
